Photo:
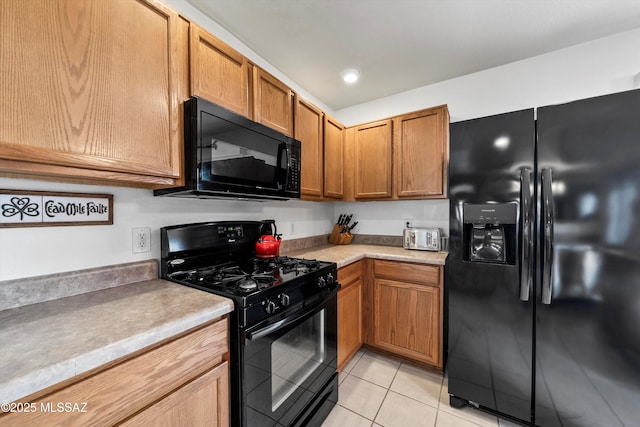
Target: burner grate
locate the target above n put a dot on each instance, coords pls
(289, 265)
(249, 275)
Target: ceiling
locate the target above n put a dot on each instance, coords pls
(400, 45)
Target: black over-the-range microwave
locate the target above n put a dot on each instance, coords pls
(228, 155)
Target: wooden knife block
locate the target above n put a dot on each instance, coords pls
(338, 238)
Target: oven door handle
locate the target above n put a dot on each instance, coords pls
(269, 329)
(254, 335)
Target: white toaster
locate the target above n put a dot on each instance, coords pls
(424, 239)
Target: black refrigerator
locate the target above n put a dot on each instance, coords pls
(543, 273)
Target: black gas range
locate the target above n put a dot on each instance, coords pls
(283, 330)
(263, 287)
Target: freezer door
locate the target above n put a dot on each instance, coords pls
(490, 301)
(588, 293)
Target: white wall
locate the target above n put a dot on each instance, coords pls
(604, 66)
(194, 15)
(26, 252)
(387, 218)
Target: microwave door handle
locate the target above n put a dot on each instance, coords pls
(525, 250)
(282, 148)
(547, 245)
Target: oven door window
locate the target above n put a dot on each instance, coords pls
(285, 369)
(295, 357)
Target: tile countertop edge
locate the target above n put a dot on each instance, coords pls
(38, 379)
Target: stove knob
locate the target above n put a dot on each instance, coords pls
(330, 278)
(270, 307)
(284, 300)
(321, 282)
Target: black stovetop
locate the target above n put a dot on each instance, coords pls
(250, 276)
(219, 257)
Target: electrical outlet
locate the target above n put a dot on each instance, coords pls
(140, 239)
(408, 223)
(292, 228)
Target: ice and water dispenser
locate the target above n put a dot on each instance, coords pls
(490, 233)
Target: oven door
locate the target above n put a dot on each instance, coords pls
(289, 368)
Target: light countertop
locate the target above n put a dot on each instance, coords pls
(45, 343)
(347, 254)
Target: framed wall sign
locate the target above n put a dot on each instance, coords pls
(22, 208)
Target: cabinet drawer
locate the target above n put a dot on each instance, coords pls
(120, 391)
(350, 274)
(407, 272)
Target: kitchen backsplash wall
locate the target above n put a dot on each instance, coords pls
(26, 252)
(387, 218)
(34, 251)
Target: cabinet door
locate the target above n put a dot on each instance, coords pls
(218, 73)
(372, 163)
(347, 170)
(91, 89)
(333, 158)
(349, 312)
(272, 102)
(204, 401)
(420, 153)
(308, 130)
(407, 319)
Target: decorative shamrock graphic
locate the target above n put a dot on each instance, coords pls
(21, 206)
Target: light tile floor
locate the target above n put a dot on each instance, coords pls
(379, 391)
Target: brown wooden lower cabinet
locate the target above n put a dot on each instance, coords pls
(404, 310)
(196, 404)
(184, 381)
(391, 306)
(349, 312)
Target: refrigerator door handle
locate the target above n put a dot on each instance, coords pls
(525, 250)
(547, 247)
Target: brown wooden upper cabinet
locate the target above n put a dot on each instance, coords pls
(420, 153)
(322, 139)
(272, 102)
(309, 131)
(402, 158)
(333, 158)
(225, 77)
(218, 72)
(91, 90)
(372, 160)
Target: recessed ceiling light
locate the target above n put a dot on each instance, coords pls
(350, 75)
